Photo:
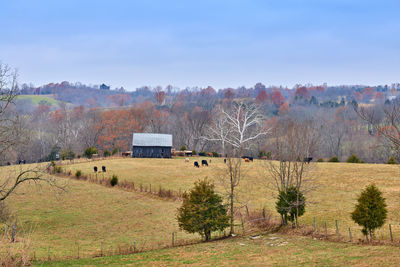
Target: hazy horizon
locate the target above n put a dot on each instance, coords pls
(217, 43)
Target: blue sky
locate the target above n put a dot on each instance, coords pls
(201, 43)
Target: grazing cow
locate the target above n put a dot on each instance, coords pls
(95, 168)
(186, 160)
(246, 160)
(103, 168)
(24, 161)
(224, 160)
(250, 158)
(204, 162)
(196, 164)
(8, 163)
(308, 160)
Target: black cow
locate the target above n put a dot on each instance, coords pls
(8, 163)
(196, 164)
(24, 161)
(204, 162)
(95, 168)
(308, 160)
(250, 158)
(103, 168)
(224, 160)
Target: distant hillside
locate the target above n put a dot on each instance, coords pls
(40, 99)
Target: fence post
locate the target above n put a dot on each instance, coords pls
(263, 212)
(390, 230)
(326, 231)
(78, 250)
(48, 254)
(13, 231)
(134, 246)
(337, 227)
(150, 188)
(242, 224)
(315, 225)
(351, 238)
(101, 249)
(173, 238)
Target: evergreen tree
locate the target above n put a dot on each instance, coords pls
(370, 212)
(202, 211)
(291, 204)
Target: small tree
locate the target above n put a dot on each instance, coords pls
(106, 153)
(183, 148)
(202, 211)
(114, 180)
(370, 211)
(391, 160)
(89, 152)
(291, 204)
(353, 159)
(334, 159)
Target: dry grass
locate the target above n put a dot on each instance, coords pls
(268, 250)
(337, 185)
(88, 215)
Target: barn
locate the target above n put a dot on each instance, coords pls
(151, 145)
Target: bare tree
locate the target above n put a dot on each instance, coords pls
(293, 144)
(10, 136)
(236, 128)
(386, 125)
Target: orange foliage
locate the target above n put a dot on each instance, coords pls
(277, 98)
(302, 92)
(262, 97)
(284, 109)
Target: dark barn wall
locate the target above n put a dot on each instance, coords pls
(151, 152)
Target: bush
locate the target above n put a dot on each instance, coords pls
(287, 204)
(391, 160)
(183, 148)
(370, 211)
(114, 151)
(202, 211)
(78, 174)
(334, 159)
(215, 154)
(353, 159)
(203, 153)
(194, 152)
(114, 180)
(67, 154)
(320, 160)
(106, 153)
(89, 152)
(57, 169)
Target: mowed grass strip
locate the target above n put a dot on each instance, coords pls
(336, 185)
(269, 250)
(88, 214)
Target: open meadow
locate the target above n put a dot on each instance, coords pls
(77, 222)
(269, 250)
(335, 185)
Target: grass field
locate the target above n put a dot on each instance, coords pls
(269, 250)
(89, 214)
(337, 185)
(36, 99)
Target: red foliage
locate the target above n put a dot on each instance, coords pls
(229, 93)
(302, 92)
(379, 96)
(160, 97)
(284, 109)
(262, 97)
(277, 98)
(368, 93)
(358, 96)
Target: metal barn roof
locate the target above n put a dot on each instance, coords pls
(151, 139)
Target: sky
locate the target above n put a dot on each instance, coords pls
(201, 43)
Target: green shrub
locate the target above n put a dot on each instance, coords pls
(334, 159)
(320, 160)
(57, 169)
(183, 148)
(287, 204)
(202, 211)
(370, 211)
(391, 160)
(194, 152)
(106, 153)
(114, 151)
(89, 152)
(114, 180)
(353, 159)
(78, 174)
(203, 153)
(67, 154)
(215, 154)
